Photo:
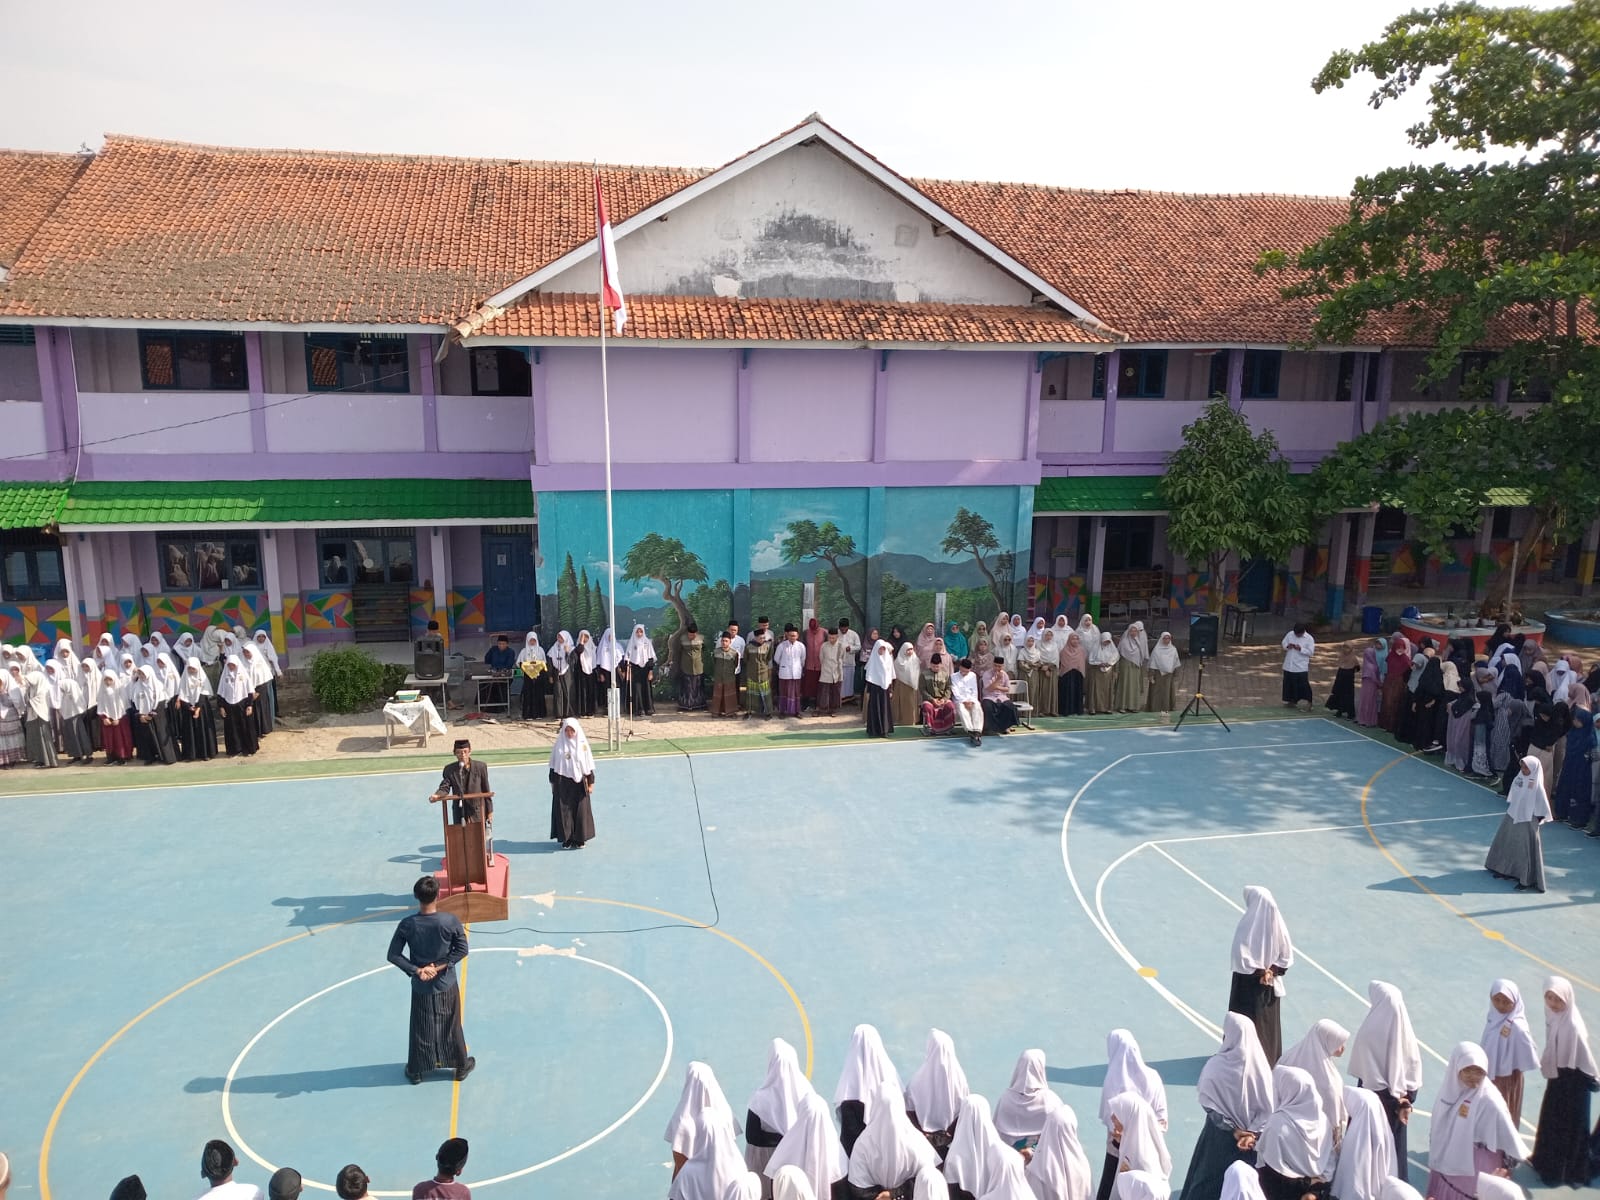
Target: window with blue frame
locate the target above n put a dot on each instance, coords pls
(1261, 371)
(1218, 385)
(357, 362)
(193, 362)
(30, 563)
(1141, 375)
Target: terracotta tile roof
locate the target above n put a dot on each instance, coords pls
(1160, 266)
(168, 231)
(31, 185)
(711, 318)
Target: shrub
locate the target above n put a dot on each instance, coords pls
(346, 680)
(394, 678)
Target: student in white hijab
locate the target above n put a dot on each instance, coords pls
(260, 673)
(38, 717)
(571, 786)
(811, 1147)
(107, 657)
(1517, 851)
(1561, 1148)
(534, 668)
(1470, 1129)
(977, 1152)
(152, 734)
(1059, 1168)
(607, 657)
(1100, 687)
(1143, 1185)
(1497, 1187)
(905, 697)
(1508, 1043)
(1386, 1060)
(714, 1162)
(1020, 1112)
(640, 665)
(158, 643)
(929, 1184)
(268, 654)
(67, 699)
(700, 1091)
(1242, 1182)
(774, 1106)
(877, 703)
(1008, 1181)
(194, 722)
(116, 729)
(790, 1183)
(67, 657)
(214, 645)
(585, 691)
(1262, 953)
(867, 1068)
(167, 676)
(1133, 670)
(1008, 649)
(1366, 1152)
(1235, 1094)
(1126, 1071)
(1295, 1151)
(1399, 1189)
(185, 647)
(1164, 664)
(89, 684)
(748, 1186)
(1316, 1054)
(935, 1091)
(1140, 1140)
(237, 697)
(890, 1150)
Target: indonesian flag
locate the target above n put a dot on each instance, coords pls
(610, 286)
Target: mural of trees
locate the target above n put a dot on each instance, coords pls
(668, 562)
(568, 612)
(808, 541)
(970, 533)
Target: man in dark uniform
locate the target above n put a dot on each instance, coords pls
(427, 945)
(466, 782)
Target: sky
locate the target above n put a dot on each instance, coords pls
(1172, 95)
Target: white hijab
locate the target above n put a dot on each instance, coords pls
(908, 667)
(234, 685)
(777, 1101)
(89, 680)
(560, 652)
(1164, 658)
(1126, 1071)
(1143, 1146)
(1464, 1117)
(1398, 1189)
(890, 1149)
(531, 650)
(1236, 1082)
(1566, 1037)
(1142, 1185)
(264, 648)
(811, 1146)
(106, 655)
(1135, 645)
(185, 647)
(700, 1091)
(145, 691)
(585, 648)
(1242, 1182)
(571, 756)
(1366, 1155)
(641, 650)
(112, 699)
(1527, 800)
(1493, 1187)
(1315, 1054)
(1384, 1054)
(939, 1084)
(52, 681)
(1296, 1141)
(213, 644)
(1088, 631)
(1024, 1105)
(1059, 1168)
(927, 1184)
(1105, 652)
(609, 654)
(167, 675)
(715, 1162)
(1261, 939)
(193, 685)
(1008, 1182)
(256, 664)
(1507, 1037)
(867, 1069)
(789, 1183)
(880, 665)
(976, 1149)
(70, 661)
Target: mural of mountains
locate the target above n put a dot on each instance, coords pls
(910, 569)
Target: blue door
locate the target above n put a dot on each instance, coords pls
(510, 601)
(1256, 576)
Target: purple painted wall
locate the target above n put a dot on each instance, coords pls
(795, 395)
(952, 405)
(675, 406)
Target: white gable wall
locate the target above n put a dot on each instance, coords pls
(805, 223)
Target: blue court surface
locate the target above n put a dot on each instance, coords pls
(208, 961)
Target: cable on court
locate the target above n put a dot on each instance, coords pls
(705, 855)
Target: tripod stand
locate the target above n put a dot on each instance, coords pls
(1192, 709)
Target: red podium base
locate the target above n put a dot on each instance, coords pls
(474, 902)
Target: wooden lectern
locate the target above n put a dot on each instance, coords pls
(468, 886)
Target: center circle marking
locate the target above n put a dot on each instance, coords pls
(661, 1072)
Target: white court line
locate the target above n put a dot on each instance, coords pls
(1223, 837)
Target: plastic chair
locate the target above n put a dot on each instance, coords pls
(1019, 700)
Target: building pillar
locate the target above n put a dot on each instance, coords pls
(1338, 561)
(294, 632)
(880, 407)
(69, 571)
(1358, 395)
(255, 381)
(1586, 553)
(1502, 391)
(1366, 527)
(428, 385)
(1235, 379)
(741, 387)
(1482, 565)
(270, 576)
(1108, 424)
(438, 552)
(540, 401)
(1385, 388)
(1095, 575)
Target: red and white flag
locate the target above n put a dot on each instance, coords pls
(610, 285)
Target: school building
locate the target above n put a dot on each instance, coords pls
(339, 395)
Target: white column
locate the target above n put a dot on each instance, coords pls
(94, 597)
(1097, 560)
(273, 540)
(441, 582)
(69, 570)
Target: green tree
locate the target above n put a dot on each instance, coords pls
(668, 562)
(806, 540)
(599, 611)
(1502, 254)
(1228, 490)
(567, 609)
(972, 534)
(903, 607)
(585, 602)
(711, 606)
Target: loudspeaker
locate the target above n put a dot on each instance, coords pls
(428, 664)
(1203, 629)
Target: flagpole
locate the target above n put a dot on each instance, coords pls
(613, 705)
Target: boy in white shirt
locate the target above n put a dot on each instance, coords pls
(1298, 646)
(964, 691)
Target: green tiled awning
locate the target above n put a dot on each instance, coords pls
(297, 502)
(30, 505)
(1099, 493)
(1508, 497)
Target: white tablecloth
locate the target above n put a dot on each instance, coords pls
(418, 711)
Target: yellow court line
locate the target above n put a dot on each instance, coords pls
(1492, 934)
(61, 1104)
(805, 1021)
(461, 1015)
